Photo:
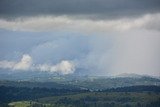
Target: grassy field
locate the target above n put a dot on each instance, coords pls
(20, 104)
(28, 104)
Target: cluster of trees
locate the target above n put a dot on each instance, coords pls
(95, 101)
(140, 88)
(8, 94)
(89, 102)
(154, 104)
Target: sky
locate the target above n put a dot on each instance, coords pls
(90, 37)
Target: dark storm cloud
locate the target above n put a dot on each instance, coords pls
(96, 8)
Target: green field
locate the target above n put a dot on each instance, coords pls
(20, 104)
(28, 104)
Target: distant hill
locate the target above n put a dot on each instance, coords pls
(129, 75)
(87, 82)
(52, 80)
(133, 75)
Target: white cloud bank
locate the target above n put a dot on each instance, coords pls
(64, 67)
(23, 64)
(50, 23)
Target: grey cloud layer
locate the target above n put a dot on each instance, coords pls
(65, 23)
(95, 8)
(79, 15)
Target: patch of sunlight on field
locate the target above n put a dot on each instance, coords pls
(20, 104)
(28, 104)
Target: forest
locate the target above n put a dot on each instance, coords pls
(133, 96)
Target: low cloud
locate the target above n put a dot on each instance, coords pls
(7, 64)
(23, 64)
(64, 67)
